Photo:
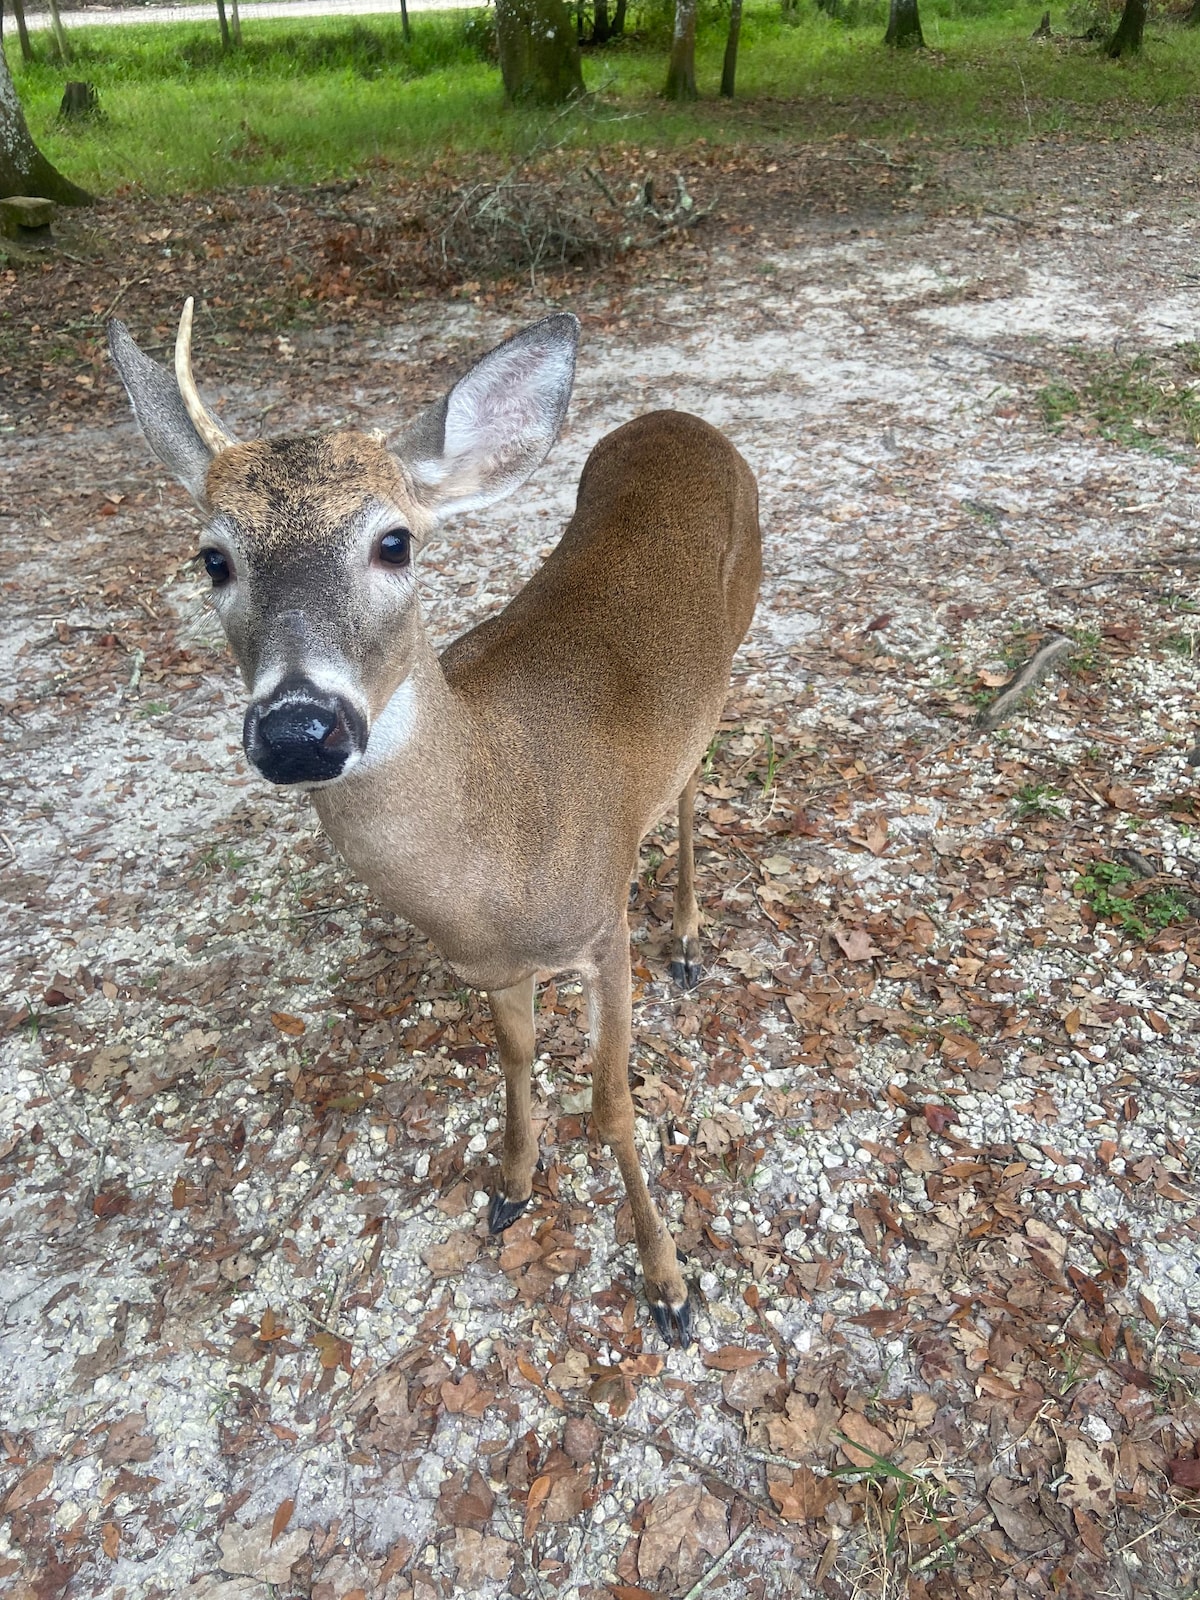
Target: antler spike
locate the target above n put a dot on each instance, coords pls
(204, 422)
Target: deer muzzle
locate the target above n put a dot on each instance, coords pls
(304, 737)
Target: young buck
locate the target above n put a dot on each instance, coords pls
(494, 796)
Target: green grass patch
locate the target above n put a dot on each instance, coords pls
(1147, 402)
(1105, 887)
(310, 100)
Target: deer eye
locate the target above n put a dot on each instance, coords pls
(395, 548)
(217, 567)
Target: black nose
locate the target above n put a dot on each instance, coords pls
(303, 739)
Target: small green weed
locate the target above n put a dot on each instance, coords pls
(1180, 644)
(152, 708)
(901, 1494)
(1037, 800)
(1140, 916)
(1146, 402)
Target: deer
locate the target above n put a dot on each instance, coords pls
(495, 796)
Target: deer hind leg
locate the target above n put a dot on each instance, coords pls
(685, 948)
(610, 1002)
(512, 1013)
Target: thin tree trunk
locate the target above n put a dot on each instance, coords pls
(23, 32)
(618, 24)
(729, 67)
(60, 37)
(235, 22)
(539, 53)
(904, 26)
(681, 73)
(23, 167)
(600, 29)
(1127, 41)
(404, 27)
(223, 23)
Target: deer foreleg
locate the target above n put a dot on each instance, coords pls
(610, 1001)
(512, 1013)
(685, 949)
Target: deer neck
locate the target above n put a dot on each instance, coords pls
(401, 818)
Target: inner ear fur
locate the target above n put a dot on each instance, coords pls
(496, 425)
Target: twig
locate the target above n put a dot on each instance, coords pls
(624, 1431)
(1030, 675)
(117, 298)
(719, 1564)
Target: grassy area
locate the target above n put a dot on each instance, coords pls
(309, 100)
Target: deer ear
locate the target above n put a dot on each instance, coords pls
(161, 413)
(497, 424)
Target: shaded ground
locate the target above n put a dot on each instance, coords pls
(927, 1131)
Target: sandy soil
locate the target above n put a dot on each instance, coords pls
(927, 1130)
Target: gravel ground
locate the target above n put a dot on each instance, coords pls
(927, 1131)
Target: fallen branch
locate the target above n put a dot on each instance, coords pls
(1027, 679)
(720, 1564)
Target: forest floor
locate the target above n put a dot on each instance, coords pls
(927, 1130)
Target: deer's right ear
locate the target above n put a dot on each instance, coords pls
(161, 413)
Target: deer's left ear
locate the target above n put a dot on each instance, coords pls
(496, 426)
(161, 412)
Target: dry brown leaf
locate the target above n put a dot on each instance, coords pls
(864, 1441)
(806, 1426)
(249, 1552)
(454, 1254)
(283, 1515)
(1185, 1471)
(804, 1497)
(30, 1486)
(856, 944)
(292, 1026)
(1089, 1477)
(480, 1558)
(110, 1540)
(686, 1530)
(1015, 1510)
(732, 1358)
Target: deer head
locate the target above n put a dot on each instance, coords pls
(310, 538)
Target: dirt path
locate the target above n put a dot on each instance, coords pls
(928, 1131)
(116, 16)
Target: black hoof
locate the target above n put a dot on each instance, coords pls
(685, 973)
(673, 1322)
(502, 1213)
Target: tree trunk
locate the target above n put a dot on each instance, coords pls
(539, 53)
(223, 24)
(23, 167)
(681, 74)
(404, 26)
(1127, 41)
(618, 23)
(729, 68)
(60, 37)
(23, 32)
(904, 26)
(601, 32)
(235, 22)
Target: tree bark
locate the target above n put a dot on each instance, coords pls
(618, 23)
(23, 167)
(601, 32)
(60, 37)
(681, 73)
(18, 7)
(904, 26)
(404, 25)
(539, 53)
(1127, 41)
(235, 22)
(729, 66)
(223, 24)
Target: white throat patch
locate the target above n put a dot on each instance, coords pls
(393, 728)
